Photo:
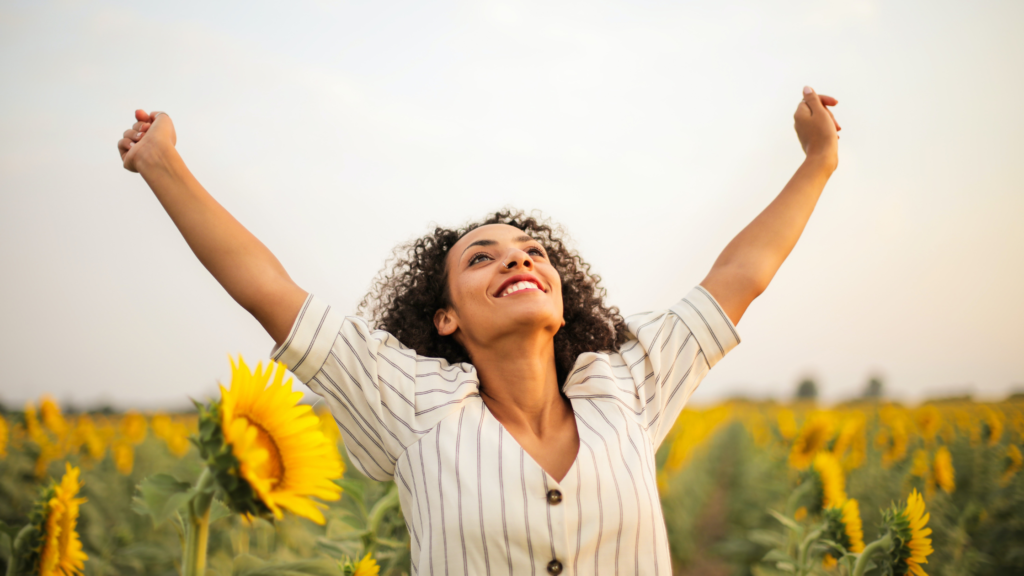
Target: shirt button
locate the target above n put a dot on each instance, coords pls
(554, 567)
(554, 497)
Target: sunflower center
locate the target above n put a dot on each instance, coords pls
(273, 467)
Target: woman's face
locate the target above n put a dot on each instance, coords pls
(500, 283)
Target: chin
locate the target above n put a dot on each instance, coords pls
(535, 316)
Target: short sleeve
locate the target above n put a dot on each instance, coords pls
(383, 396)
(675, 348)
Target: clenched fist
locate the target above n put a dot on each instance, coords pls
(816, 128)
(146, 138)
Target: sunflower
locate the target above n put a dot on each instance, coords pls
(124, 457)
(919, 467)
(942, 468)
(757, 427)
(1014, 462)
(259, 434)
(56, 549)
(928, 422)
(991, 426)
(160, 423)
(52, 417)
(365, 567)
(3, 437)
(787, 424)
(813, 437)
(177, 439)
(843, 526)
(893, 441)
(831, 479)
(85, 435)
(911, 545)
(133, 427)
(850, 436)
(48, 450)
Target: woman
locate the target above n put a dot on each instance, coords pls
(517, 413)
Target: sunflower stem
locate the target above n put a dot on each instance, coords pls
(796, 496)
(883, 543)
(197, 529)
(805, 546)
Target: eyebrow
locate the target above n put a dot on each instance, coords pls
(523, 238)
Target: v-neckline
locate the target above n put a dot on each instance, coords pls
(501, 428)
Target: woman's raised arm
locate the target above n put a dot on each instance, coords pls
(748, 264)
(237, 259)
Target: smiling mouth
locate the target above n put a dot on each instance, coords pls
(519, 287)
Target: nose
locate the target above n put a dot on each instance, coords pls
(518, 258)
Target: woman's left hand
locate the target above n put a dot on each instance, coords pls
(816, 127)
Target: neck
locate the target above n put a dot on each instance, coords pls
(519, 383)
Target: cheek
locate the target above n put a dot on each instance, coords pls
(467, 289)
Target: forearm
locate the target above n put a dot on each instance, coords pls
(749, 262)
(761, 248)
(249, 272)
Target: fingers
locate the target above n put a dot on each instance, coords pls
(815, 104)
(141, 116)
(124, 145)
(838, 127)
(133, 135)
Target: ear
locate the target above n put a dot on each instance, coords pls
(446, 322)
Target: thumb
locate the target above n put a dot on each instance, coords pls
(141, 116)
(813, 101)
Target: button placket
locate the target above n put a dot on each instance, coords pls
(555, 501)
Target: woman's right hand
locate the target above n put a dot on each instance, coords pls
(817, 128)
(147, 137)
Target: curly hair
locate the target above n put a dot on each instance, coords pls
(413, 286)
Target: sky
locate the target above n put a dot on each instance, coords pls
(653, 131)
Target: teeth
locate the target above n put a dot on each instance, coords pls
(519, 286)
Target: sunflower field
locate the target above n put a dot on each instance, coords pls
(747, 488)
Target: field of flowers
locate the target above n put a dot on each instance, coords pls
(747, 488)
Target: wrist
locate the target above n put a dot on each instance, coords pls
(825, 161)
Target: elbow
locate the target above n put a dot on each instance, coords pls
(745, 281)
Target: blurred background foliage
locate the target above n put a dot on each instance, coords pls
(720, 471)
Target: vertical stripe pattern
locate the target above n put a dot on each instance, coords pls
(475, 501)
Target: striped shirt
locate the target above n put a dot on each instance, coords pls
(475, 502)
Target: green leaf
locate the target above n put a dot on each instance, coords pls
(246, 565)
(219, 510)
(340, 548)
(160, 496)
(777, 556)
(353, 488)
(767, 538)
(11, 531)
(23, 556)
(833, 545)
(5, 547)
(787, 522)
(786, 566)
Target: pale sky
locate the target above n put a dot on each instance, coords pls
(654, 131)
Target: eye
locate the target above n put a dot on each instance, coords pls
(535, 250)
(478, 257)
